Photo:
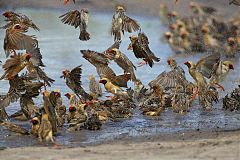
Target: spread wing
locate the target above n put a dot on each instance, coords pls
(36, 57)
(115, 45)
(95, 57)
(75, 75)
(130, 25)
(15, 39)
(72, 18)
(206, 64)
(10, 66)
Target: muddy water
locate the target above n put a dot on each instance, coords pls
(61, 47)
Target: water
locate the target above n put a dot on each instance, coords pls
(61, 47)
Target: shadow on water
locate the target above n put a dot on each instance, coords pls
(61, 47)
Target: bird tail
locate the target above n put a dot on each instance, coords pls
(156, 59)
(84, 35)
(117, 36)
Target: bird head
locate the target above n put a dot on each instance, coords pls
(120, 8)
(8, 14)
(65, 73)
(171, 62)
(103, 80)
(68, 95)
(228, 64)
(84, 10)
(173, 14)
(56, 93)
(231, 41)
(65, 2)
(173, 27)
(46, 94)
(168, 35)
(114, 52)
(72, 108)
(27, 56)
(205, 29)
(35, 121)
(189, 64)
(133, 38)
(183, 35)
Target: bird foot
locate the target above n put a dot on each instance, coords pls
(140, 64)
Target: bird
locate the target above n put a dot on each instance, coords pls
(94, 87)
(215, 69)
(100, 61)
(14, 65)
(14, 127)
(114, 89)
(78, 19)
(16, 39)
(139, 45)
(200, 80)
(27, 104)
(36, 121)
(123, 61)
(73, 81)
(23, 20)
(121, 23)
(45, 132)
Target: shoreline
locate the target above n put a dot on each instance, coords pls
(216, 145)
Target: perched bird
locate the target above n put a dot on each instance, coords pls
(139, 45)
(78, 19)
(93, 122)
(77, 116)
(23, 20)
(122, 60)
(94, 87)
(73, 81)
(200, 80)
(45, 132)
(14, 65)
(15, 39)
(13, 127)
(115, 90)
(121, 23)
(35, 125)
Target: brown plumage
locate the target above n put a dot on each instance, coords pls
(16, 39)
(121, 23)
(73, 81)
(100, 61)
(122, 60)
(14, 65)
(78, 19)
(23, 20)
(14, 128)
(139, 45)
(94, 87)
(45, 132)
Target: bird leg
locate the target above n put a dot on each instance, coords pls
(140, 64)
(45, 86)
(220, 86)
(195, 94)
